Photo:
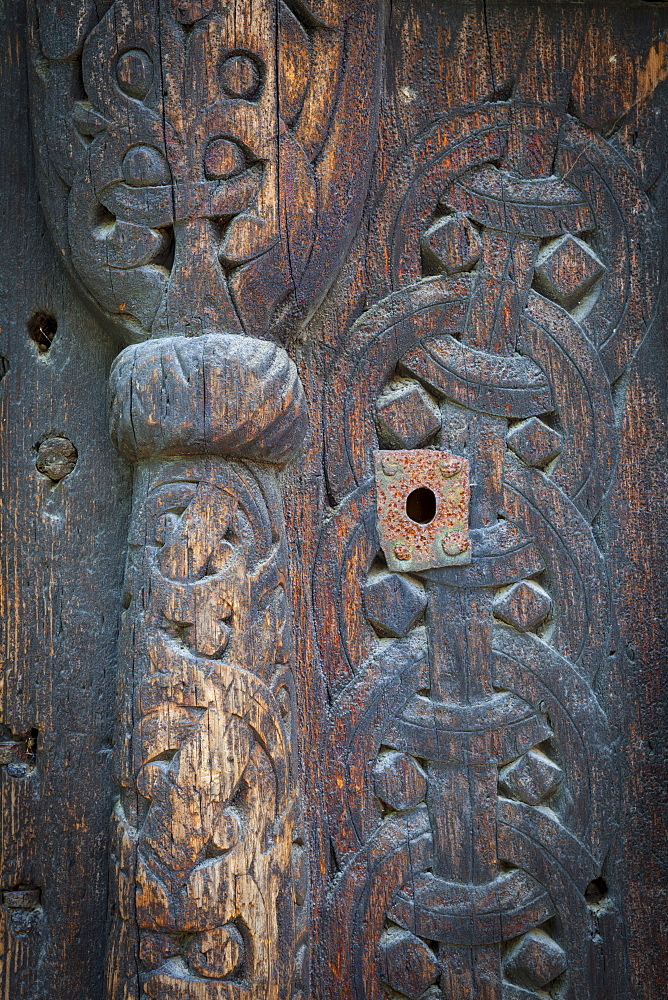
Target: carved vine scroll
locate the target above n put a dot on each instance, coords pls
(204, 167)
(194, 177)
(207, 849)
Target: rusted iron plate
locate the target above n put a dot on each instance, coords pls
(423, 499)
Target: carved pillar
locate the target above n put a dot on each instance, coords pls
(194, 177)
(207, 842)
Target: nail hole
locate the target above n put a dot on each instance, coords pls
(42, 328)
(24, 897)
(596, 892)
(421, 505)
(56, 458)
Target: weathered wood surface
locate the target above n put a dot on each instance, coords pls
(207, 847)
(479, 750)
(418, 830)
(193, 176)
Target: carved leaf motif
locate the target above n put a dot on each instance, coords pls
(216, 138)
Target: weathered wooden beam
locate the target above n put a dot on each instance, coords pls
(194, 176)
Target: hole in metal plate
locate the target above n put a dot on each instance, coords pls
(421, 505)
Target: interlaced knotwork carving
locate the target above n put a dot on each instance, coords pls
(508, 296)
(203, 166)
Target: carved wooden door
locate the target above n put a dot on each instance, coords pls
(334, 500)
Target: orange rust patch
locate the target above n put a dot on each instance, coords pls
(423, 500)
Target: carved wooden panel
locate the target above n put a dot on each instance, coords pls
(478, 879)
(366, 298)
(506, 277)
(207, 844)
(171, 133)
(192, 171)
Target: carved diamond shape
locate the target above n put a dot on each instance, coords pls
(532, 777)
(451, 245)
(525, 605)
(566, 270)
(535, 442)
(537, 956)
(408, 415)
(406, 964)
(399, 780)
(393, 604)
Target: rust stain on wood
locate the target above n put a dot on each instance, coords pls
(445, 732)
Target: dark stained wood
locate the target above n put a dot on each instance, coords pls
(62, 566)
(315, 231)
(207, 831)
(636, 687)
(395, 319)
(194, 179)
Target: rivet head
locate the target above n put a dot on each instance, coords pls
(454, 543)
(402, 552)
(390, 468)
(451, 466)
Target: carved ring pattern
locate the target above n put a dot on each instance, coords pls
(468, 765)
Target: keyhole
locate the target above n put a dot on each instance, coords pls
(421, 505)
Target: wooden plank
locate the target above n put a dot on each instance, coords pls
(462, 182)
(62, 565)
(443, 65)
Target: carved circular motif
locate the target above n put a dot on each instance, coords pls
(222, 159)
(144, 166)
(240, 77)
(134, 72)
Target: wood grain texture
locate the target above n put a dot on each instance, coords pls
(480, 749)
(62, 565)
(193, 169)
(465, 286)
(207, 886)
(192, 177)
